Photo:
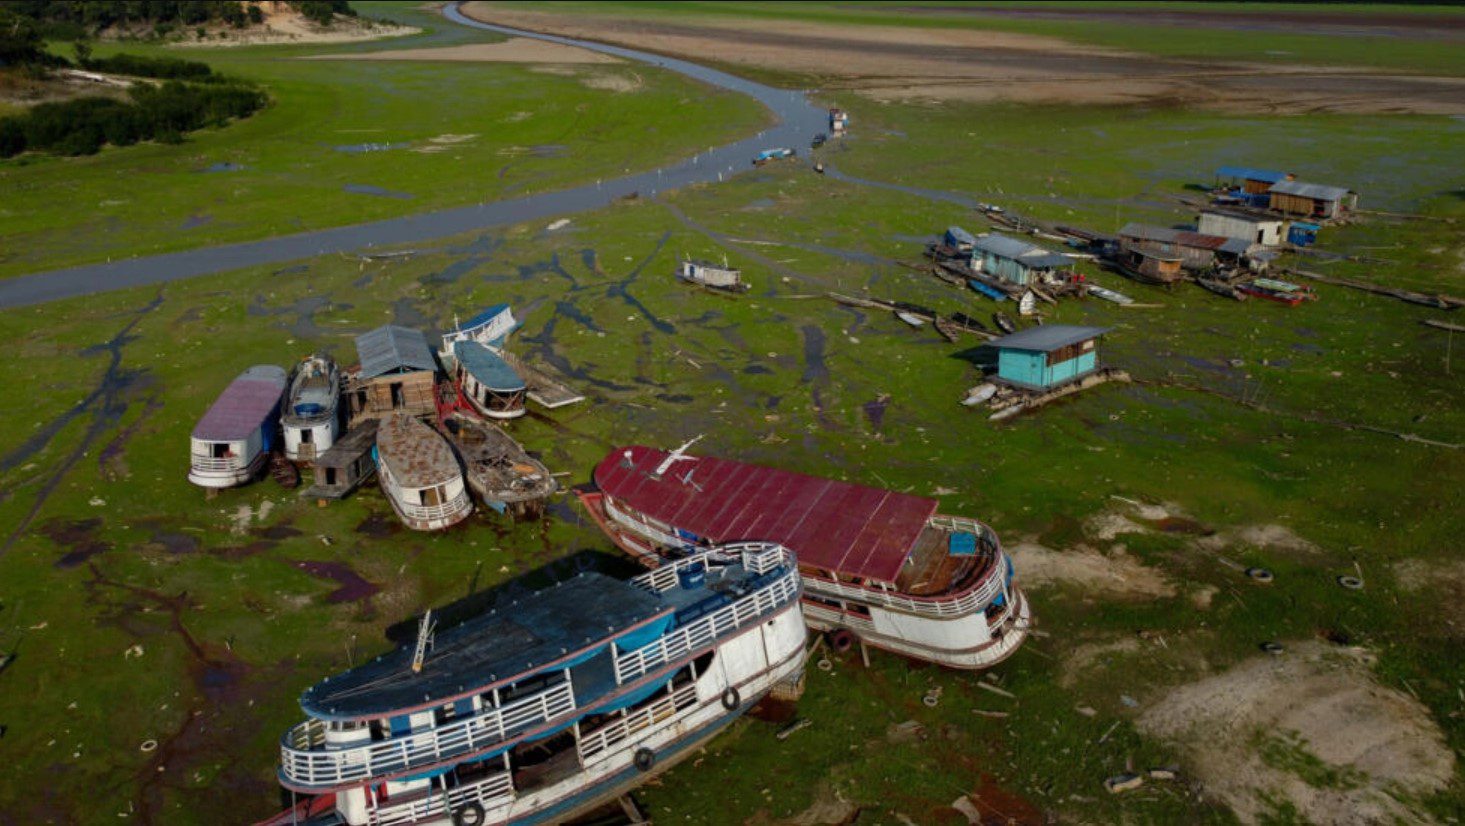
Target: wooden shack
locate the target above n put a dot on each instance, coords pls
(397, 374)
(1196, 251)
(1249, 180)
(348, 463)
(1014, 261)
(1316, 201)
(1051, 355)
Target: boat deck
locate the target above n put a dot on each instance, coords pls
(931, 569)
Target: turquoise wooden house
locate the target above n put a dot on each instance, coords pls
(1015, 261)
(1045, 357)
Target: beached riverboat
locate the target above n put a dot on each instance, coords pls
(1282, 292)
(487, 382)
(879, 565)
(498, 468)
(420, 475)
(310, 417)
(232, 442)
(712, 276)
(550, 705)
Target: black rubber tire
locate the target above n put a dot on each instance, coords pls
(469, 814)
(731, 699)
(1352, 583)
(842, 640)
(1261, 575)
(1272, 647)
(644, 759)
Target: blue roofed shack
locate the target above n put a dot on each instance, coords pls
(1014, 261)
(1045, 357)
(959, 239)
(1250, 180)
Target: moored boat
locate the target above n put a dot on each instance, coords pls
(233, 440)
(1221, 288)
(490, 385)
(910, 318)
(550, 705)
(880, 565)
(1109, 295)
(310, 419)
(498, 468)
(1283, 292)
(420, 474)
(712, 276)
(1004, 322)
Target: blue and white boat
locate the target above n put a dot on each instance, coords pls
(553, 704)
(310, 418)
(487, 382)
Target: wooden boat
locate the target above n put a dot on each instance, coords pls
(1004, 322)
(1283, 292)
(982, 288)
(1221, 288)
(420, 475)
(1109, 295)
(705, 274)
(910, 318)
(879, 565)
(487, 382)
(233, 441)
(971, 324)
(503, 475)
(980, 394)
(553, 704)
(310, 417)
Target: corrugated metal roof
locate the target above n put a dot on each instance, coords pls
(487, 367)
(1047, 337)
(1248, 173)
(853, 529)
(1254, 220)
(1148, 232)
(419, 457)
(1185, 238)
(1029, 254)
(1320, 192)
(244, 404)
(392, 349)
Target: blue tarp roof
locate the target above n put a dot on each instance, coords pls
(518, 639)
(392, 349)
(1247, 173)
(960, 235)
(487, 367)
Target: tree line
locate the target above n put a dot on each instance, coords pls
(69, 20)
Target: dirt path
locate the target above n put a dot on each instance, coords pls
(912, 63)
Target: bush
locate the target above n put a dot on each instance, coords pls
(166, 68)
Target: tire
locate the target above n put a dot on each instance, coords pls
(644, 759)
(842, 640)
(469, 814)
(731, 699)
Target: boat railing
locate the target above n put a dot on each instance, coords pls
(305, 761)
(617, 732)
(644, 527)
(705, 631)
(492, 791)
(451, 507)
(757, 557)
(976, 598)
(219, 464)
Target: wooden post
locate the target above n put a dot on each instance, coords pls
(864, 654)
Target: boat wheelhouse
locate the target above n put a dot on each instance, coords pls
(488, 328)
(233, 440)
(420, 475)
(498, 468)
(310, 420)
(553, 704)
(487, 381)
(881, 565)
(712, 276)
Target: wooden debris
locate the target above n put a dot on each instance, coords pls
(1440, 300)
(1001, 692)
(796, 725)
(1124, 783)
(981, 712)
(1443, 325)
(1107, 732)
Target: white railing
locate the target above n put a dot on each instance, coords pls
(305, 762)
(452, 507)
(957, 605)
(642, 720)
(636, 523)
(705, 631)
(219, 465)
(489, 792)
(757, 557)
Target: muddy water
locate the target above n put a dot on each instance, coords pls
(796, 122)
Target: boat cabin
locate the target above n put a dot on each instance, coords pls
(1016, 262)
(1048, 356)
(487, 382)
(488, 328)
(310, 418)
(398, 374)
(233, 440)
(420, 474)
(706, 274)
(348, 463)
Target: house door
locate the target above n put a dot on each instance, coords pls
(399, 400)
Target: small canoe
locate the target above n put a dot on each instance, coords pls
(910, 318)
(1221, 288)
(1004, 322)
(968, 322)
(979, 394)
(1110, 295)
(990, 292)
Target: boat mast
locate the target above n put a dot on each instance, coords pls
(424, 640)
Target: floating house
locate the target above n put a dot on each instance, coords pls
(877, 565)
(310, 418)
(1312, 200)
(398, 374)
(347, 463)
(1048, 356)
(1249, 180)
(420, 475)
(233, 440)
(706, 274)
(487, 381)
(550, 705)
(1149, 267)
(1257, 229)
(488, 328)
(1196, 251)
(1014, 261)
